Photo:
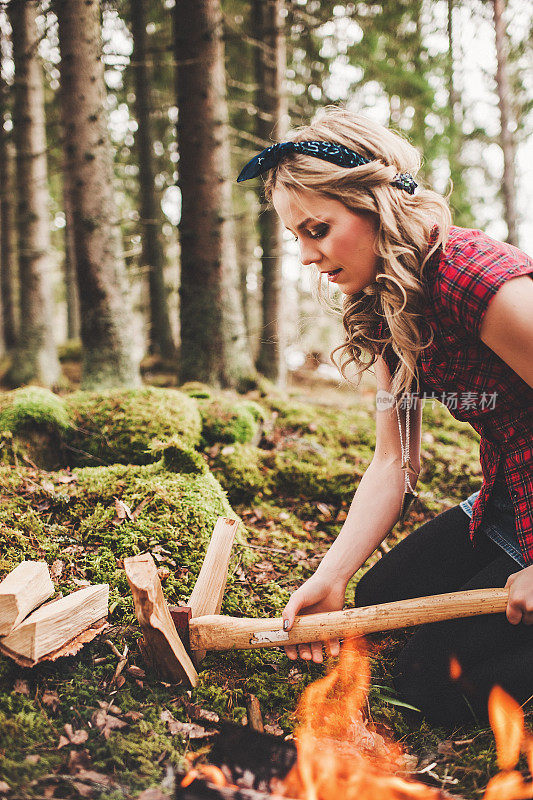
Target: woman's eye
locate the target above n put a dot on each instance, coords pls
(319, 232)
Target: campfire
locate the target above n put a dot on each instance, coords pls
(337, 754)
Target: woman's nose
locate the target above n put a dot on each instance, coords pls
(309, 253)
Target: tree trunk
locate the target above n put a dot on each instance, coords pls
(36, 357)
(506, 135)
(153, 254)
(459, 199)
(8, 269)
(271, 121)
(106, 318)
(71, 283)
(213, 340)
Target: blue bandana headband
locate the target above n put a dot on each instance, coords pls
(327, 151)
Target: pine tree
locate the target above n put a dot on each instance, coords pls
(106, 320)
(153, 255)
(36, 357)
(213, 338)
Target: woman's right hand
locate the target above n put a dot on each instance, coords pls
(317, 594)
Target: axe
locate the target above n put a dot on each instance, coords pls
(176, 638)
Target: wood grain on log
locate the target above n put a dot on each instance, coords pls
(162, 648)
(24, 589)
(56, 623)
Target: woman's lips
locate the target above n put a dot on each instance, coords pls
(334, 274)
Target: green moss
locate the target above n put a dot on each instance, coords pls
(33, 406)
(226, 420)
(119, 426)
(197, 389)
(241, 471)
(177, 456)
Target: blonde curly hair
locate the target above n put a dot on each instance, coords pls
(406, 225)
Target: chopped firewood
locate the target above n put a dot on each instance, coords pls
(54, 625)
(162, 648)
(25, 588)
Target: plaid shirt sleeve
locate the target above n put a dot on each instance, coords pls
(470, 273)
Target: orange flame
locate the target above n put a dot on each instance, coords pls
(507, 721)
(339, 755)
(455, 669)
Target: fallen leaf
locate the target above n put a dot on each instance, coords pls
(106, 723)
(4, 787)
(189, 730)
(63, 740)
(274, 729)
(163, 572)
(123, 511)
(50, 699)
(48, 486)
(113, 709)
(284, 515)
(227, 450)
(56, 570)
(32, 758)
(133, 716)
(153, 794)
(136, 511)
(324, 510)
(341, 516)
(135, 671)
(75, 737)
(21, 687)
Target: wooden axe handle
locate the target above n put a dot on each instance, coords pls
(215, 632)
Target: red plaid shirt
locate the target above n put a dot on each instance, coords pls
(474, 383)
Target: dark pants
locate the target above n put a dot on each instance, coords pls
(435, 559)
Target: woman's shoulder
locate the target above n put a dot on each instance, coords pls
(468, 271)
(476, 253)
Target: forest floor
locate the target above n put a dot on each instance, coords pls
(73, 728)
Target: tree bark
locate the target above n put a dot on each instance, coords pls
(272, 117)
(213, 340)
(106, 319)
(8, 268)
(36, 357)
(153, 255)
(71, 283)
(506, 135)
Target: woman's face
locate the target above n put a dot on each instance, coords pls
(338, 241)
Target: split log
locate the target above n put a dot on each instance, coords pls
(162, 648)
(24, 589)
(208, 592)
(55, 624)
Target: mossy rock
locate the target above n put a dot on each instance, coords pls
(34, 424)
(197, 389)
(241, 471)
(227, 421)
(117, 427)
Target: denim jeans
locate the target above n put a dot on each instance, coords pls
(499, 522)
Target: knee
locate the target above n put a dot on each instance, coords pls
(368, 591)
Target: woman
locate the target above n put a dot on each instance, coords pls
(437, 310)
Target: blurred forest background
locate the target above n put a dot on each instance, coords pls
(125, 243)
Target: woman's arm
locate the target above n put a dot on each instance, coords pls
(507, 326)
(374, 511)
(377, 503)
